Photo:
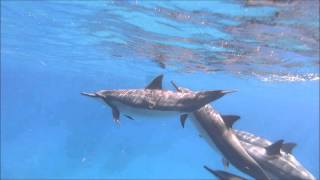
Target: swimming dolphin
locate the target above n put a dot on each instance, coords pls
(259, 141)
(153, 97)
(275, 158)
(216, 129)
(223, 175)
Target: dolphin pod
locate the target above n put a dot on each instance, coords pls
(216, 129)
(253, 155)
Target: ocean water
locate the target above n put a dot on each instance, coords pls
(53, 50)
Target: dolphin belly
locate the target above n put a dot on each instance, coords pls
(204, 134)
(144, 113)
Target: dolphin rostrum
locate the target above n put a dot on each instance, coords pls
(275, 158)
(153, 97)
(223, 175)
(216, 129)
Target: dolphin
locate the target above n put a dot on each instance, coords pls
(223, 175)
(154, 98)
(217, 130)
(276, 158)
(259, 141)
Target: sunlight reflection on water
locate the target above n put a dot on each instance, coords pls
(277, 40)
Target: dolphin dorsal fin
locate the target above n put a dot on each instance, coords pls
(230, 119)
(156, 83)
(274, 149)
(288, 147)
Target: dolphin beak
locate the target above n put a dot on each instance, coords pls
(229, 91)
(89, 94)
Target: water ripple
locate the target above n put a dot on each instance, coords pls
(271, 40)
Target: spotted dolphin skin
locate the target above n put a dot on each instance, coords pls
(275, 158)
(223, 175)
(259, 141)
(216, 129)
(154, 98)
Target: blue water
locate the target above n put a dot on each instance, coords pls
(53, 50)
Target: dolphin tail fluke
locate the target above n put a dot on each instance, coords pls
(89, 94)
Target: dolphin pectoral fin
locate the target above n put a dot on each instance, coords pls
(225, 163)
(274, 149)
(229, 120)
(115, 112)
(183, 119)
(209, 169)
(156, 83)
(223, 175)
(175, 86)
(129, 117)
(179, 89)
(288, 147)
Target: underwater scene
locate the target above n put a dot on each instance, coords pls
(137, 89)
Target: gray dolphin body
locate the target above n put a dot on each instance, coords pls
(153, 97)
(275, 158)
(216, 129)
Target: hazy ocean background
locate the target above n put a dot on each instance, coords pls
(53, 50)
